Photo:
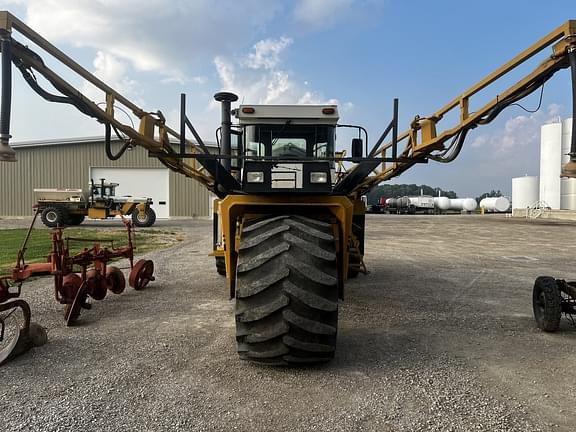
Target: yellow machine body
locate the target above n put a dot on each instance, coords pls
(234, 210)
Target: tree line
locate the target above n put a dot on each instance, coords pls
(399, 190)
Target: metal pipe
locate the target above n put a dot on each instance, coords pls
(182, 123)
(572, 59)
(395, 130)
(569, 169)
(6, 152)
(226, 99)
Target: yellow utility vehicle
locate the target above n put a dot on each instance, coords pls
(59, 207)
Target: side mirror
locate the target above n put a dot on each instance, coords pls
(357, 145)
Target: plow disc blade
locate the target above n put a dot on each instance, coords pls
(96, 283)
(115, 280)
(141, 274)
(72, 310)
(70, 285)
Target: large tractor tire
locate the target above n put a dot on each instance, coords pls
(221, 266)
(147, 220)
(547, 303)
(53, 216)
(287, 291)
(75, 219)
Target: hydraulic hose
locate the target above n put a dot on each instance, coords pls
(572, 59)
(108, 144)
(6, 86)
(6, 153)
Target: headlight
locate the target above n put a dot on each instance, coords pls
(255, 177)
(318, 177)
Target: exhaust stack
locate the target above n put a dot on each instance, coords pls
(226, 99)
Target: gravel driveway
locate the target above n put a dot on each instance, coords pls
(438, 337)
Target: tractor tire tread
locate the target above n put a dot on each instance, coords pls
(287, 291)
(547, 319)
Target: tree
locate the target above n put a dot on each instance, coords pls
(490, 194)
(399, 190)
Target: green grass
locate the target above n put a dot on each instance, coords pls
(39, 244)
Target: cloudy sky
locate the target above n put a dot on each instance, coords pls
(357, 53)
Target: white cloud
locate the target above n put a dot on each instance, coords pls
(519, 132)
(321, 13)
(155, 35)
(266, 53)
(258, 77)
(112, 71)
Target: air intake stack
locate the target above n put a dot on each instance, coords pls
(226, 99)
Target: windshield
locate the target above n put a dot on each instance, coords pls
(289, 141)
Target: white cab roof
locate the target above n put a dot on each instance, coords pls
(299, 114)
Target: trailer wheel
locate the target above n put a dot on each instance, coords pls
(53, 216)
(287, 291)
(146, 221)
(221, 265)
(547, 303)
(75, 219)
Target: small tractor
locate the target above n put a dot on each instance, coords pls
(59, 207)
(289, 219)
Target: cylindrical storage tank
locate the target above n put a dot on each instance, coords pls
(403, 202)
(525, 191)
(550, 164)
(495, 204)
(442, 203)
(391, 202)
(414, 201)
(465, 204)
(567, 185)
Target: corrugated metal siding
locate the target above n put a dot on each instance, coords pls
(68, 166)
(187, 196)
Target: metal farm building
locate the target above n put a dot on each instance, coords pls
(72, 163)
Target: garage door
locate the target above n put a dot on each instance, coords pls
(139, 182)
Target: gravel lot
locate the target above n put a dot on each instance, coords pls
(438, 337)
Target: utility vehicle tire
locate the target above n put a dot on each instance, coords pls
(53, 216)
(221, 266)
(547, 303)
(287, 291)
(75, 219)
(146, 221)
(352, 273)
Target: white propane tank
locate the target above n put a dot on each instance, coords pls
(442, 203)
(403, 202)
(495, 204)
(463, 204)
